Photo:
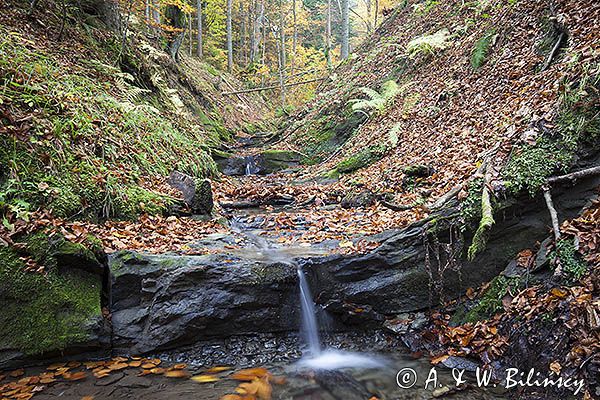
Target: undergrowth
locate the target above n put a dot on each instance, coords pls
(571, 263)
(481, 50)
(93, 139)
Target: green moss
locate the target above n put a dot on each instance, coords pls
(362, 159)
(281, 155)
(571, 262)
(44, 313)
(578, 124)
(491, 301)
(470, 207)
(480, 238)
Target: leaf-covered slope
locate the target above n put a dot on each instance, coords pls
(489, 80)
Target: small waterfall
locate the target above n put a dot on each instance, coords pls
(251, 167)
(310, 330)
(317, 357)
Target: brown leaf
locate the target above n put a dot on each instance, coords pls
(17, 372)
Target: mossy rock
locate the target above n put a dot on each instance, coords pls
(47, 314)
(281, 155)
(362, 159)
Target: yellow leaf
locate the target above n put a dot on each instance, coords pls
(439, 359)
(177, 373)
(558, 293)
(249, 374)
(205, 378)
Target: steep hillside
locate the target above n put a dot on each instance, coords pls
(451, 84)
(92, 125)
(90, 130)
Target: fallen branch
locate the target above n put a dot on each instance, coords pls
(272, 87)
(573, 176)
(485, 224)
(397, 207)
(239, 205)
(553, 52)
(553, 213)
(442, 200)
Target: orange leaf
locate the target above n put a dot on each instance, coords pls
(249, 374)
(439, 359)
(75, 376)
(177, 373)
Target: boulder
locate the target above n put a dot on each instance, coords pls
(57, 313)
(197, 193)
(163, 302)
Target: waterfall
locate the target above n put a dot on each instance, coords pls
(310, 330)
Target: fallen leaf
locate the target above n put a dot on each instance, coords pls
(218, 369)
(17, 372)
(177, 373)
(555, 367)
(439, 359)
(249, 374)
(75, 376)
(205, 378)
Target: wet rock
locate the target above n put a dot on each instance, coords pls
(460, 363)
(161, 302)
(395, 278)
(541, 258)
(197, 193)
(264, 163)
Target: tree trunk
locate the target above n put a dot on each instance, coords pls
(345, 52)
(229, 38)
(376, 13)
(282, 52)
(190, 36)
(199, 27)
(176, 19)
(294, 37)
(328, 35)
(242, 37)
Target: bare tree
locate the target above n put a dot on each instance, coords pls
(328, 35)
(229, 38)
(345, 29)
(199, 27)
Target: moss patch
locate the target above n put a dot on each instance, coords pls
(578, 126)
(362, 159)
(43, 313)
(491, 301)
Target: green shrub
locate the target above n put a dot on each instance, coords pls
(571, 262)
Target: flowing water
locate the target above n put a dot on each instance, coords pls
(316, 357)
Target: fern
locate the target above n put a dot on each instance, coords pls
(377, 101)
(481, 50)
(428, 45)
